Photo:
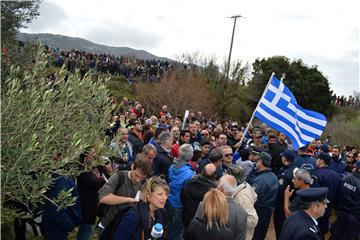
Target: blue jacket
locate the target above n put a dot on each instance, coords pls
(338, 166)
(266, 187)
(306, 162)
(285, 177)
(136, 220)
(299, 226)
(330, 179)
(179, 174)
(65, 219)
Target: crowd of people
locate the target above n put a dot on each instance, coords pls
(130, 67)
(172, 178)
(343, 101)
(134, 69)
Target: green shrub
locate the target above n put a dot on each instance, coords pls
(344, 127)
(41, 118)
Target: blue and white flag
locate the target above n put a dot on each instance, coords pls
(278, 109)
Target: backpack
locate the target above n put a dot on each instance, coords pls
(101, 208)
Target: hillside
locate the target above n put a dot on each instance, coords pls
(68, 43)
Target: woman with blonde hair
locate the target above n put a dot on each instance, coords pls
(213, 224)
(138, 221)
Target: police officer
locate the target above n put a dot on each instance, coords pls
(285, 177)
(266, 185)
(326, 177)
(347, 224)
(302, 224)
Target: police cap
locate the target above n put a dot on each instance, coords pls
(313, 195)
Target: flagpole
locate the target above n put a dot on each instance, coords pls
(283, 77)
(253, 115)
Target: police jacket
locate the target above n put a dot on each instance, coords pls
(330, 179)
(350, 194)
(266, 185)
(285, 177)
(300, 226)
(306, 162)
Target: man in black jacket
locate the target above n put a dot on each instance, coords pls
(163, 159)
(135, 136)
(89, 183)
(194, 192)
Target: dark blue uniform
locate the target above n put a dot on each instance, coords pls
(285, 176)
(306, 162)
(300, 226)
(330, 179)
(266, 187)
(347, 224)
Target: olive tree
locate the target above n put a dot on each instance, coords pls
(43, 118)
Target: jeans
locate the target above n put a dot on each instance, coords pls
(176, 226)
(85, 231)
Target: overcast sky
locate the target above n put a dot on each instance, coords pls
(322, 33)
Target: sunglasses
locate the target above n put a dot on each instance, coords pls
(204, 134)
(228, 155)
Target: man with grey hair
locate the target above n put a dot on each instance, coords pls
(179, 173)
(245, 196)
(301, 180)
(150, 152)
(163, 159)
(237, 215)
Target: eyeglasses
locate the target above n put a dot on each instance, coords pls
(228, 155)
(350, 156)
(204, 134)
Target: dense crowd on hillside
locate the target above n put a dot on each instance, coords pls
(172, 178)
(343, 101)
(134, 69)
(130, 67)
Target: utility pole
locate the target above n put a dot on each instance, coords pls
(232, 39)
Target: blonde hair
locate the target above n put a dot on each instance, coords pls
(150, 185)
(215, 208)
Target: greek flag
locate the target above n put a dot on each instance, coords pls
(278, 109)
